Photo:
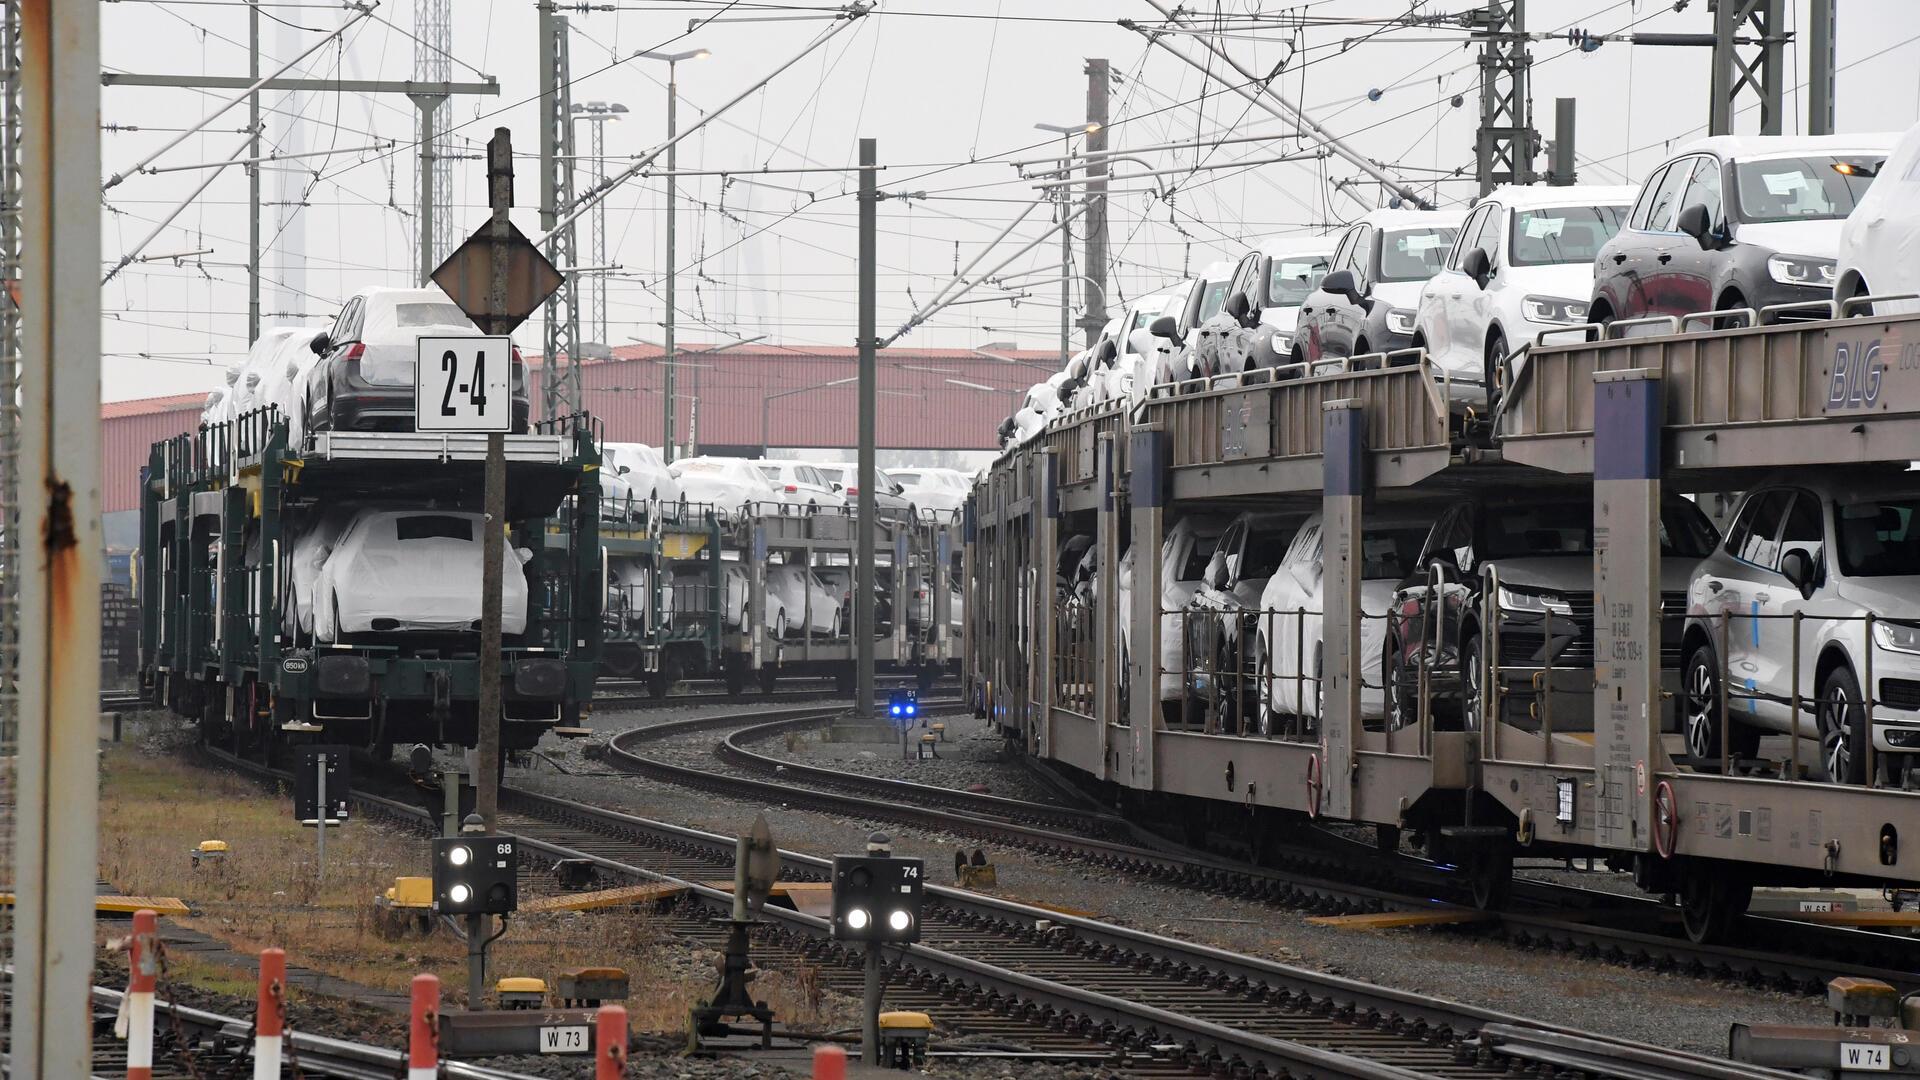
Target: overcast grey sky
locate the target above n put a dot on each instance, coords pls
(951, 89)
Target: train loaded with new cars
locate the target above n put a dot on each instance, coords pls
(1576, 521)
(309, 563)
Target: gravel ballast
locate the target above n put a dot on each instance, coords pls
(1667, 1010)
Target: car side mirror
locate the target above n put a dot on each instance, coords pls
(1341, 283)
(1217, 571)
(525, 555)
(1695, 223)
(1797, 567)
(622, 470)
(1165, 327)
(1239, 308)
(1478, 266)
(1107, 351)
(837, 486)
(320, 343)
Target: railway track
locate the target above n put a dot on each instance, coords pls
(1141, 1003)
(197, 1044)
(1335, 877)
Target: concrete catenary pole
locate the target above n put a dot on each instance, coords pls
(1093, 316)
(57, 789)
(1563, 170)
(863, 613)
(1820, 35)
(673, 182)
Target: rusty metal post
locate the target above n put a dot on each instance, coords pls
(59, 541)
(493, 546)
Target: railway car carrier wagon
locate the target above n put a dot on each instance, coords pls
(331, 591)
(1533, 649)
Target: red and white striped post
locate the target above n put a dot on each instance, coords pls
(610, 1043)
(268, 1019)
(423, 1037)
(143, 962)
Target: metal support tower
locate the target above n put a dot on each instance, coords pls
(560, 381)
(1749, 57)
(1093, 317)
(433, 62)
(1506, 142)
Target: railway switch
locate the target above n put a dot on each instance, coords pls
(475, 874)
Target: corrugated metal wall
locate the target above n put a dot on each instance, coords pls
(125, 441)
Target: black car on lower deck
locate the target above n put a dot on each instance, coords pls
(364, 379)
(1539, 548)
(1736, 222)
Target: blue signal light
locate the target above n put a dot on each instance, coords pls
(910, 710)
(896, 710)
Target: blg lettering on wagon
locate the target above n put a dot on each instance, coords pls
(1858, 373)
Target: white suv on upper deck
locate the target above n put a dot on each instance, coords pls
(1523, 263)
(1834, 548)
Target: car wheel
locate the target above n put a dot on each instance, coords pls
(1470, 679)
(1727, 303)
(1402, 710)
(1843, 729)
(812, 507)
(1602, 316)
(1491, 367)
(1263, 693)
(1700, 691)
(1859, 289)
(1360, 347)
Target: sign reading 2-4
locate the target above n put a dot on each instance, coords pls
(463, 384)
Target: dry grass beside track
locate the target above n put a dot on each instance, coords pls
(155, 808)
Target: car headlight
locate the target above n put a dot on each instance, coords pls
(1515, 600)
(1281, 343)
(1801, 270)
(1553, 309)
(1897, 637)
(1400, 320)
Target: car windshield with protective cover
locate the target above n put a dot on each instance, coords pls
(1563, 234)
(1289, 280)
(1414, 254)
(1802, 188)
(429, 314)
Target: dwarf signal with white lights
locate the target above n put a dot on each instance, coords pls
(476, 874)
(877, 898)
(903, 706)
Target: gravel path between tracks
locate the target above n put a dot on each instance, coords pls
(1668, 1010)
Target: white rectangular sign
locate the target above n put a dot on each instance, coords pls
(463, 384)
(564, 1040)
(1864, 1057)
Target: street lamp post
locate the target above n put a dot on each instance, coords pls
(673, 148)
(597, 113)
(766, 404)
(1066, 133)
